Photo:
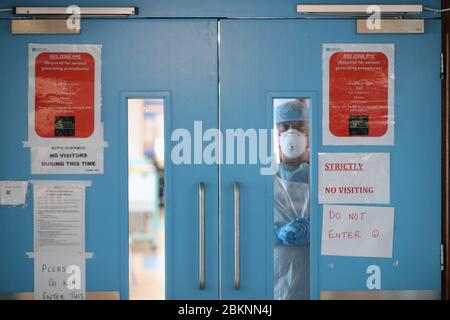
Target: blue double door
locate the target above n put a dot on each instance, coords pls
(182, 61)
(211, 255)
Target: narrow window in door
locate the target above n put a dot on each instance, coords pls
(291, 199)
(146, 198)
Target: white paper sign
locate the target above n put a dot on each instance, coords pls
(59, 277)
(65, 131)
(13, 193)
(358, 94)
(354, 178)
(357, 231)
(59, 244)
(58, 217)
(66, 160)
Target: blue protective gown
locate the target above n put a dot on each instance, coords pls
(291, 218)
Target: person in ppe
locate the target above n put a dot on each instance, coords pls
(291, 202)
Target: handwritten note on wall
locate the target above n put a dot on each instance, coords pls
(59, 276)
(59, 244)
(357, 231)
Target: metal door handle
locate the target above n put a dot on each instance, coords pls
(237, 280)
(201, 235)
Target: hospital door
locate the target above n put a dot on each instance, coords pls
(174, 60)
(217, 247)
(261, 61)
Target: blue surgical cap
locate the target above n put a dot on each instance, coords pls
(292, 110)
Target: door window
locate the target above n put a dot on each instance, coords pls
(291, 199)
(146, 198)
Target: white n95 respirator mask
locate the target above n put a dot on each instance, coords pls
(293, 143)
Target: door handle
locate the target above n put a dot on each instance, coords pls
(201, 235)
(237, 271)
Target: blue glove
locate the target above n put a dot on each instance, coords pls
(295, 233)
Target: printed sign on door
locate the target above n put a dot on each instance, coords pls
(65, 132)
(354, 178)
(358, 93)
(64, 94)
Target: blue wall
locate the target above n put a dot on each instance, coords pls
(137, 56)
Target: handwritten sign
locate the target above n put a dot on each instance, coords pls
(59, 277)
(59, 244)
(357, 231)
(354, 178)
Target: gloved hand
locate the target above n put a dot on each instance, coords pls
(295, 233)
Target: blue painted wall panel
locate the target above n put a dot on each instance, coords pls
(145, 55)
(286, 56)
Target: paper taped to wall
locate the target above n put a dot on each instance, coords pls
(13, 193)
(358, 94)
(66, 160)
(354, 178)
(64, 109)
(58, 217)
(59, 277)
(64, 95)
(356, 231)
(59, 239)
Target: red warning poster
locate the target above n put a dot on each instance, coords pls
(64, 94)
(65, 131)
(358, 94)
